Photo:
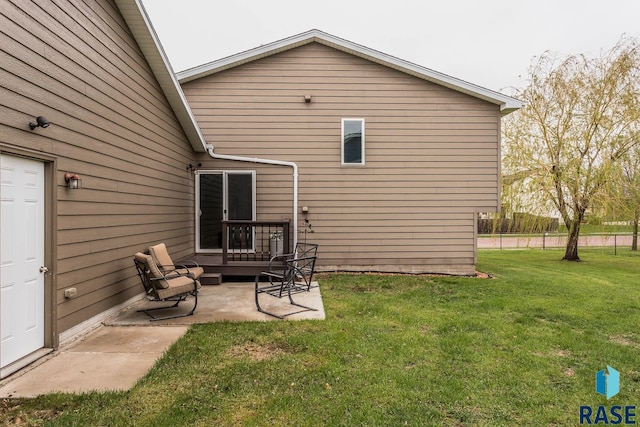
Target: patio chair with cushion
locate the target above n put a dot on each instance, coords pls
(296, 277)
(165, 286)
(162, 258)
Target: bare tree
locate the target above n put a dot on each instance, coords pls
(579, 120)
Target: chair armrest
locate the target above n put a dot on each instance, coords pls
(283, 259)
(172, 274)
(182, 264)
(181, 267)
(189, 262)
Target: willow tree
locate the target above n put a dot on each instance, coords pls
(579, 119)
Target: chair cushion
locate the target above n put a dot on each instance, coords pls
(194, 272)
(177, 286)
(161, 256)
(154, 271)
(140, 257)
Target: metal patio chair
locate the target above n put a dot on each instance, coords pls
(296, 277)
(277, 263)
(304, 250)
(165, 286)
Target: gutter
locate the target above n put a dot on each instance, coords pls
(292, 165)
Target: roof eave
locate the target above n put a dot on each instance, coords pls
(506, 103)
(140, 26)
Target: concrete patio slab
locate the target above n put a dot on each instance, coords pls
(117, 354)
(227, 302)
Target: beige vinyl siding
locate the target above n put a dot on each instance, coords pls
(76, 63)
(432, 155)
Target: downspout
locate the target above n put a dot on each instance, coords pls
(213, 155)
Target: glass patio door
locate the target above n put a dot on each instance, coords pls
(222, 196)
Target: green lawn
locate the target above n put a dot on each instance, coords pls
(521, 348)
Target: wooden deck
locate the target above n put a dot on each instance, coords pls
(246, 249)
(214, 267)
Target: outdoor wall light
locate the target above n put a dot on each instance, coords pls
(41, 121)
(73, 181)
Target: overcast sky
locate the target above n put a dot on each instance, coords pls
(490, 43)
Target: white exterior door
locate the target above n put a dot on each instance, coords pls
(21, 258)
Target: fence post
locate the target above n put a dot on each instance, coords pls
(225, 241)
(615, 244)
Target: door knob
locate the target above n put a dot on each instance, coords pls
(43, 269)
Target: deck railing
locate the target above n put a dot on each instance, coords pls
(254, 240)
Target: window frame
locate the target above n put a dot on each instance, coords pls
(342, 141)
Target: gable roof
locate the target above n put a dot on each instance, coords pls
(140, 26)
(506, 103)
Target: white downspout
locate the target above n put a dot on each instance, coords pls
(213, 155)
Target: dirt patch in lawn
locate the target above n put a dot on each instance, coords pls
(255, 352)
(627, 340)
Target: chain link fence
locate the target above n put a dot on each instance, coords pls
(614, 241)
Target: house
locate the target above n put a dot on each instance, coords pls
(391, 161)
(113, 114)
(101, 156)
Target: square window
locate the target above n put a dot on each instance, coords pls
(352, 142)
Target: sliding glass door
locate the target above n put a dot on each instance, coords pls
(221, 196)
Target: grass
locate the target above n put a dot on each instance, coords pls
(519, 349)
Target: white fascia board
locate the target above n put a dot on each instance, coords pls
(140, 25)
(244, 57)
(507, 104)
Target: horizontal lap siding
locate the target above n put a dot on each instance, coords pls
(431, 154)
(76, 63)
